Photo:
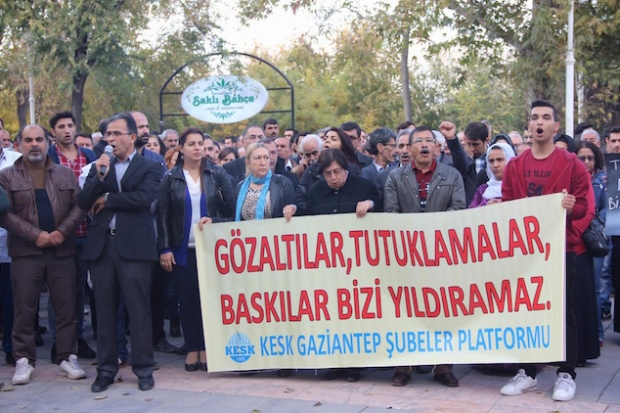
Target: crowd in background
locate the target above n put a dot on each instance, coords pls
(109, 219)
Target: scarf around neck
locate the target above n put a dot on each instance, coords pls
(262, 198)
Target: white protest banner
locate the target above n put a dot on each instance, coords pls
(484, 285)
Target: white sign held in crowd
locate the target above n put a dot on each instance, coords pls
(484, 285)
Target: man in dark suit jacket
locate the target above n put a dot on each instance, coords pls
(121, 247)
(382, 142)
(251, 134)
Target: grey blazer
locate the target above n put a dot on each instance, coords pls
(446, 191)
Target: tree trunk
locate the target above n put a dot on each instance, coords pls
(77, 98)
(21, 98)
(404, 79)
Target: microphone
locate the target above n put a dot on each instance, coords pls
(108, 151)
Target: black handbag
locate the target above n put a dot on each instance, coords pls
(597, 243)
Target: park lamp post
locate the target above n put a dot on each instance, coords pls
(570, 73)
(28, 38)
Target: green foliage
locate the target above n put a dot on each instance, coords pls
(110, 55)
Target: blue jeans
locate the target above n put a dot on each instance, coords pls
(605, 285)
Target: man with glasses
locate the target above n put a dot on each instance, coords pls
(121, 247)
(402, 152)
(424, 186)
(251, 134)
(382, 144)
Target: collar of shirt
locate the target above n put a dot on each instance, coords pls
(130, 157)
(378, 167)
(430, 171)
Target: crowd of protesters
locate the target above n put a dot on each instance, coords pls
(118, 209)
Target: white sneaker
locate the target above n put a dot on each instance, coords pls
(23, 370)
(71, 369)
(519, 384)
(564, 388)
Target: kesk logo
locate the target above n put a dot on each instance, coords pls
(240, 348)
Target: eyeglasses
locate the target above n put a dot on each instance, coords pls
(425, 140)
(583, 158)
(311, 154)
(391, 145)
(335, 172)
(116, 134)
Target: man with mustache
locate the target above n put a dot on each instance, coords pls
(416, 188)
(41, 225)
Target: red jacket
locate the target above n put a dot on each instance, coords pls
(569, 174)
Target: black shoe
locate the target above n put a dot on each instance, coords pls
(175, 331)
(447, 379)
(165, 347)
(146, 383)
(192, 367)
(10, 359)
(101, 383)
(400, 379)
(53, 355)
(84, 350)
(38, 340)
(606, 315)
(203, 366)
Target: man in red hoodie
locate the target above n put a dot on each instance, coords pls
(547, 170)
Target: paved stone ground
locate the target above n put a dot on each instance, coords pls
(179, 391)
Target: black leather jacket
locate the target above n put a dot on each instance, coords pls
(309, 178)
(220, 197)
